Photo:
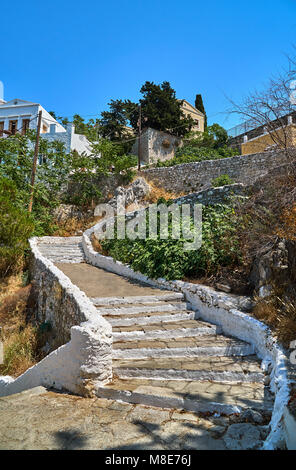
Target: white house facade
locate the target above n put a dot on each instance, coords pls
(17, 116)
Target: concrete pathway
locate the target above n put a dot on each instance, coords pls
(44, 420)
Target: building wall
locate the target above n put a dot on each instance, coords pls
(259, 144)
(71, 140)
(190, 110)
(156, 145)
(21, 110)
(191, 177)
(51, 129)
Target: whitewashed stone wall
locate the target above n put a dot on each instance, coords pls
(84, 356)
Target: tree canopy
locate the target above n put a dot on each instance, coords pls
(200, 106)
(160, 109)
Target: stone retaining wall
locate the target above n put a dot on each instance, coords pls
(190, 177)
(213, 195)
(84, 355)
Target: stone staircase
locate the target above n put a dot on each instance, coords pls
(62, 249)
(163, 354)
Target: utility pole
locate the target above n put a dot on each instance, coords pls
(139, 141)
(35, 161)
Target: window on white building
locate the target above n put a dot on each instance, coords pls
(13, 127)
(1, 128)
(25, 125)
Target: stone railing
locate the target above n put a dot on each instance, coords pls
(84, 355)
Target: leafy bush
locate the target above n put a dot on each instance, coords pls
(16, 226)
(167, 258)
(221, 180)
(55, 171)
(209, 145)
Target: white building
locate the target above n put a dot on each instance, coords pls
(19, 116)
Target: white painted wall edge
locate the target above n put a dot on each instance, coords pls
(290, 429)
(86, 359)
(220, 309)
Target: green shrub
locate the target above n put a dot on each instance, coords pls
(221, 180)
(16, 226)
(167, 258)
(190, 153)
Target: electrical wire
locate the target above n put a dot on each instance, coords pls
(21, 128)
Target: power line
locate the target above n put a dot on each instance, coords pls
(21, 128)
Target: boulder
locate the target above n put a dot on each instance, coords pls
(133, 194)
(252, 416)
(270, 266)
(243, 436)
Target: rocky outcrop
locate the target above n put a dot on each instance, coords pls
(69, 211)
(133, 194)
(274, 265)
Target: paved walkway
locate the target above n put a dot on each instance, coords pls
(100, 283)
(44, 420)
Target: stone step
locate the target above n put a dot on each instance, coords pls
(137, 299)
(182, 347)
(162, 331)
(168, 307)
(60, 259)
(150, 318)
(196, 396)
(59, 241)
(218, 369)
(60, 252)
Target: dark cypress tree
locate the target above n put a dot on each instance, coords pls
(200, 106)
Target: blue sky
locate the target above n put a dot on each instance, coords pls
(73, 57)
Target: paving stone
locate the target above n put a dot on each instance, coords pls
(151, 415)
(185, 416)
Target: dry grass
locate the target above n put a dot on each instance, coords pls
(288, 224)
(20, 337)
(97, 246)
(158, 192)
(279, 313)
(74, 226)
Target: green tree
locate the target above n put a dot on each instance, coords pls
(89, 129)
(161, 110)
(113, 122)
(200, 106)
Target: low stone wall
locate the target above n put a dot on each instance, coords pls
(223, 310)
(213, 195)
(196, 176)
(84, 357)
